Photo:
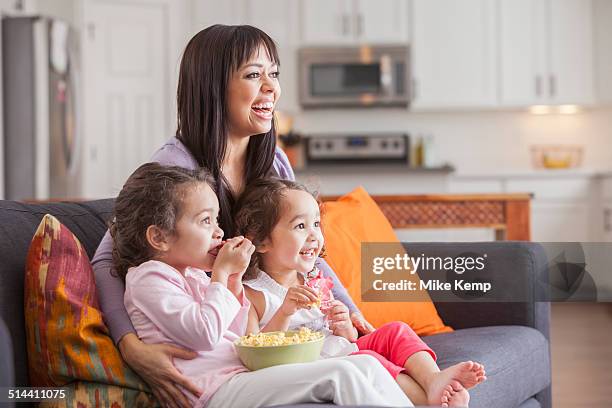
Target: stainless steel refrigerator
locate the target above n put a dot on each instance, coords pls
(40, 85)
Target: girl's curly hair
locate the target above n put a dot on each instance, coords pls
(258, 211)
(152, 195)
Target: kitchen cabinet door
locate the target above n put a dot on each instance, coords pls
(382, 21)
(523, 52)
(329, 22)
(560, 221)
(545, 52)
(454, 54)
(208, 12)
(326, 22)
(571, 53)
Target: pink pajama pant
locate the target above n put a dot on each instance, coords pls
(392, 344)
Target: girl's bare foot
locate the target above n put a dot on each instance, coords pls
(455, 395)
(459, 377)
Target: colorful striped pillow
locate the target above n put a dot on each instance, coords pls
(67, 341)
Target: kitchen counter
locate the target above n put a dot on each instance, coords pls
(535, 173)
(357, 168)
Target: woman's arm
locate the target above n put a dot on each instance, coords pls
(110, 290)
(153, 362)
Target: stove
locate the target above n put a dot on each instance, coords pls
(358, 148)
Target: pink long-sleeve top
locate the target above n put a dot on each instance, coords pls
(188, 311)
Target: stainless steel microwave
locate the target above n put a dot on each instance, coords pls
(354, 76)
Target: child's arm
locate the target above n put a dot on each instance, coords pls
(340, 321)
(258, 306)
(159, 294)
(298, 297)
(253, 322)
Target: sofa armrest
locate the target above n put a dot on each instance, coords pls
(515, 262)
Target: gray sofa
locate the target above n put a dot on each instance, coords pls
(510, 339)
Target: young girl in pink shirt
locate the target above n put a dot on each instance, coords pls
(282, 219)
(166, 236)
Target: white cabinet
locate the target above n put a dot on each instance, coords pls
(382, 21)
(602, 15)
(205, 13)
(546, 54)
(563, 207)
(522, 52)
(328, 22)
(560, 221)
(571, 49)
(454, 53)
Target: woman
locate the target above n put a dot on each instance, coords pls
(225, 102)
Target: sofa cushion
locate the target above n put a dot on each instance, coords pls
(347, 223)
(18, 222)
(516, 359)
(66, 336)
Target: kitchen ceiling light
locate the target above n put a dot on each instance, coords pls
(569, 109)
(540, 109)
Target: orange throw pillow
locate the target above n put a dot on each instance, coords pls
(349, 221)
(67, 341)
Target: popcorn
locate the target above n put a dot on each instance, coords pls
(304, 335)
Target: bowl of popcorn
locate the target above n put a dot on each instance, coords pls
(257, 351)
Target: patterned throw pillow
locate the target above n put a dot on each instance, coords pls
(67, 341)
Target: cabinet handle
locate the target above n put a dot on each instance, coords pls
(538, 85)
(345, 24)
(414, 92)
(552, 83)
(607, 222)
(359, 25)
(91, 30)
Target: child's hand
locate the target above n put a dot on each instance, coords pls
(340, 321)
(298, 297)
(233, 258)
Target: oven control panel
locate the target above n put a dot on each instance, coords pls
(380, 148)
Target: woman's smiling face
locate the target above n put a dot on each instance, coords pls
(252, 93)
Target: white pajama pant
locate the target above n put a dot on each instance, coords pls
(350, 380)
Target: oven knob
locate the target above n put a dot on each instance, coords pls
(396, 144)
(384, 144)
(317, 145)
(329, 145)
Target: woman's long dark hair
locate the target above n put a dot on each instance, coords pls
(209, 60)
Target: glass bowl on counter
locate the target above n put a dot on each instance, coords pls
(556, 156)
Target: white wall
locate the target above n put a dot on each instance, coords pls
(479, 141)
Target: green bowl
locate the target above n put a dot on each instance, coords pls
(255, 358)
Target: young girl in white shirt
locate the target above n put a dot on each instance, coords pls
(165, 237)
(282, 219)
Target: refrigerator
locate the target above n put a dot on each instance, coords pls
(41, 118)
